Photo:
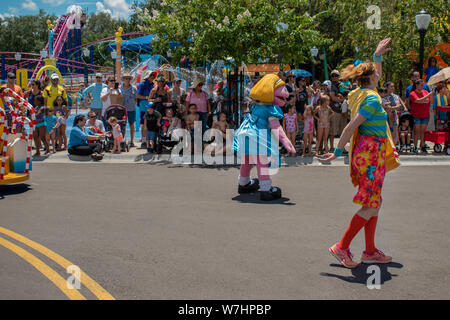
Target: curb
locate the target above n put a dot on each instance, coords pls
(142, 158)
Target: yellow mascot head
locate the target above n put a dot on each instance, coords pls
(264, 89)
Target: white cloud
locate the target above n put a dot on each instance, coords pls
(101, 8)
(13, 10)
(54, 2)
(116, 8)
(29, 5)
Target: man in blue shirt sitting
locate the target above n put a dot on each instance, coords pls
(142, 96)
(95, 90)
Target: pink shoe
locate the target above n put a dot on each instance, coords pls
(345, 257)
(377, 257)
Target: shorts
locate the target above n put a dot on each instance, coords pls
(141, 117)
(337, 124)
(421, 121)
(131, 117)
(151, 135)
(369, 163)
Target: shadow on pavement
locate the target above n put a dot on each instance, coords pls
(254, 198)
(39, 158)
(8, 190)
(360, 274)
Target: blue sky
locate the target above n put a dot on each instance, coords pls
(117, 8)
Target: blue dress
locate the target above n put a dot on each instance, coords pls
(254, 135)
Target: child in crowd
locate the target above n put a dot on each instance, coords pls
(221, 124)
(308, 130)
(62, 113)
(116, 133)
(51, 125)
(345, 108)
(40, 127)
(405, 134)
(152, 122)
(290, 125)
(323, 114)
(191, 118)
(181, 114)
(170, 122)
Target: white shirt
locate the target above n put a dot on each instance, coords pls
(107, 103)
(98, 124)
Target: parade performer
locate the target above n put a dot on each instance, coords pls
(257, 138)
(372, 154)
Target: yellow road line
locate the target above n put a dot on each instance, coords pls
(87, 281)
(51, 274)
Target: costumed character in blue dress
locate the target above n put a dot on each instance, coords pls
(256, 140)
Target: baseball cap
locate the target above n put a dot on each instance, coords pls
(150, 105)
(148, 74)
(54, 76)
(11, 75)
(99, 75)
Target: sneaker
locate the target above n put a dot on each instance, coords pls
(149, 150)
(377, 257)
(250, 187)
(273, 194)
(345, 257)
(132, 145)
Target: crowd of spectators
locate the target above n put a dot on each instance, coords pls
(314, 115)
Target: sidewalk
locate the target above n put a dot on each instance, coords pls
(137, 155)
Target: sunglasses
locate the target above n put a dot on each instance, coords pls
(91, 117)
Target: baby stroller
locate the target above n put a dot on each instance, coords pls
(165, 141)
(119, 112)
(407, 116)
(441, 135)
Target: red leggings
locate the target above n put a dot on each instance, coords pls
(261, 166)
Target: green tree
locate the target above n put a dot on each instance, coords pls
(243, 30)
(346, 23)
(24, 33)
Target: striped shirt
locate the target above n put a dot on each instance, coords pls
(376, 122)
(440, 100)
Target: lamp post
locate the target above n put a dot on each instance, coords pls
(422, 22)
(314, 52)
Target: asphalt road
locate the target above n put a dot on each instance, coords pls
(161, 231)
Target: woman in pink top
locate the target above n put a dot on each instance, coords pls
(200, 98)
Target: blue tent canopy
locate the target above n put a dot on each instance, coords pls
(142, 44)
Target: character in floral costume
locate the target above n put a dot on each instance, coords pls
(372, 154)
